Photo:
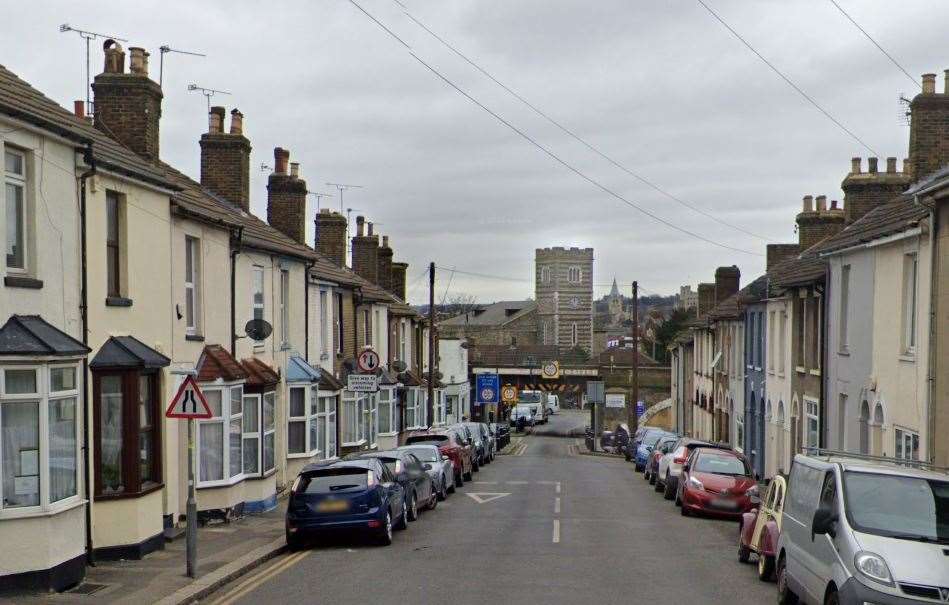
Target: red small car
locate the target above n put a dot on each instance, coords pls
(449, 445)
(717, 482)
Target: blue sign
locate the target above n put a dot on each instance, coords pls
(487, 388)
(640, 408)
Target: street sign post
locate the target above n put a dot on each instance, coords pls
(640, 408)
(189, 404)
(487, 388)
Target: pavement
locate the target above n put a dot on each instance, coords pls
(542, 523)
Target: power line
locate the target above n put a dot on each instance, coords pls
(787, 79)
(522, 280)
(551, 154)
(875, 43)
(574, 135)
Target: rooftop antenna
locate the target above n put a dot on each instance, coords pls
(164, 48)
(265, 167)
(905, 112)
(207, 92)
(88, 36)
(341, 187)
(318, 195)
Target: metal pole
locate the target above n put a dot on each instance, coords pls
(634, 420)
(431, 340)
(192, 534)
(88, 106)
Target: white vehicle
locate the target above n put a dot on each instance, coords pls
(863, 529)
(553, 403)
(535, 401)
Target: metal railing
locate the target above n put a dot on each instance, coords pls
(919, 464)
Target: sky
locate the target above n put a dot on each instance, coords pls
(661, 88)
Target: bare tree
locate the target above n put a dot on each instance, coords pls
(459, 303)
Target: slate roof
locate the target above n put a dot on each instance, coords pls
(32, 335)
(889, 219)
(128, 352)
(805, 269)
(20, 100)
(496, 314)
(733, 306)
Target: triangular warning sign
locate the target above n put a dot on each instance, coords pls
(483, 497)
(189, 402)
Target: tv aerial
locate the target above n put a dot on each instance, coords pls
(88, 36)
(164, 49)
(207, 92)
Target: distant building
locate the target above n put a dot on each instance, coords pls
(688, 299)
(564, 293)
(510, 322)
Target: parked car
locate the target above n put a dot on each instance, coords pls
(670, 465)
(645, 447)
(863, 531)
(450, 445)
(502, 434)
(717, 482)
(522, 411)
(480, 442)
(663, 447)
(468, 438)
(491, 441)
(761, 527)
(637, 440)
(345, 496)
(410, 474)
(438, 466)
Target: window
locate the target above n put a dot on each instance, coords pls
(252, 434)
(545, 274)
(354, 407)
(844, 310)
(910, 266)
(269, 426)
(574, 336)
(127, 421)
(14, 172)
(414, 408)
(258, 296)
(813, 424)
(220, 438)
(299, 417)
(440, 409)
(782, 342)
(574, 275)
(307, 425)
(907, 444)
(543, 328)
(324, 324)
(339, 322)
(39, 446)
(388, 424)
(377, 329)
(192, 279)
(285, 307)
(113, 259)
(367, 328)
(328, 414)
(403, 352)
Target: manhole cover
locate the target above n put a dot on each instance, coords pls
(88, 588)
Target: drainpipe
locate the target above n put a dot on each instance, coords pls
(84, 313)
(822, 354)
(306, 311)
(235, 250)
(931, 353)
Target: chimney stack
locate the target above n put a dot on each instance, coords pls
(366, 252)
(929, 129)
(813, 226)
(398, 279)
(891, 165)
(330, 230)
(727, 281)
(778, 253)
(865, 191)
(127, 106)
(706, 296)
(79, 108)
(384, 262)
(872, 165)
(286, 198)
(929, 84)
(225, 158)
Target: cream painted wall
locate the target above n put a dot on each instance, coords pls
(127, 521)
(42, 542)
(778, 390)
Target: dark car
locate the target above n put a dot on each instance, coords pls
(717, 482)
(479, 441)
(345, 496)
(502, 433)
(450, 445)
(410, 474)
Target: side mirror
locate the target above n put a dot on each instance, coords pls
(824, 522)
(445, 458)
(427, 466)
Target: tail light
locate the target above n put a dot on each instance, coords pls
(370, 478)
(680, 459)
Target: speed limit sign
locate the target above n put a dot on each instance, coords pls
(509, 393)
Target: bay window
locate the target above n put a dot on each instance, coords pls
(354, 407)
(387, 410)
(258, 431)
(269, 427)
(370, 418)
(221, 437)
(415, 412)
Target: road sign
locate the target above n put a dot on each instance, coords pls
(615, 400)
(509, 393)
(362, 383)
(487, 388)
(189, 402)
(368, 361)
(550, 370)
(640, 408)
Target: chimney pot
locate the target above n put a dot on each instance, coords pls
(281, 157)
(872, 165)
(833, 204)
(369, 229)
(114, 57)
(855, 166)
(359, 225)
(385, 241)
(822, 203)
(237, 121)
(929, 84)
(79, 108)
(808, 203)
(891, 165)
(138, 61)
(295, 169)
(216, 120)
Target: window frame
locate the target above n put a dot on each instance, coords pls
(909, 315)
(311, 417)
(574, 269)
(255, 400)
(905, 438)
(354, 419)
(225, 419)
(843, 311)
(388, 407)
(20, 181)
(808, 416)
(285, 308)
(257, 287)
(324, 323)
(193, 287)
(113, 255)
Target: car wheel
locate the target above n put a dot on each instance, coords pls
(475, 466)
(385, 536)
(442, 490)
(744, 553)
(456, 483)
(765, 568)
(294, 541)
(685, 511)
(785, 595)
(657, 485)
(639, 468)
(669, 491)
(403, 522)
(467, 476)
(411, 507)
(832, 598)
(433, 501)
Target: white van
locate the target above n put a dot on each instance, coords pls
(553, 403)
(861, 529)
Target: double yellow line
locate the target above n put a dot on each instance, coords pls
(259, 578)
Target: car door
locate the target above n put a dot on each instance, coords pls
(393, 490)
(823, 552)
(423, 483)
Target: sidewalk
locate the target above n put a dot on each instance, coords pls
(225, 551)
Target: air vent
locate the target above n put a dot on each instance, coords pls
(926, 592)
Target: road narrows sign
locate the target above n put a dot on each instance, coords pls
(368, 361)
(189, 402)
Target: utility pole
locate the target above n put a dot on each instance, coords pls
(429, 408)
(633, 417)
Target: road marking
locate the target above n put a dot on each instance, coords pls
(556, 506)
(485, 482)
(547, 482)
(517, 482)
(483, 497)
(558, 487)
(252, 583)
(556, 531)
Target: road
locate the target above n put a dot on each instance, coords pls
(544, 524)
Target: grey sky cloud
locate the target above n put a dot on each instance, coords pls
(659, 86)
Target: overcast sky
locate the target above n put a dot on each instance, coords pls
(661, 87)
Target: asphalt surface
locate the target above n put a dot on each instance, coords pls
(551, 526)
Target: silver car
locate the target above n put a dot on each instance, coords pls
(438, 467)
(859, 529)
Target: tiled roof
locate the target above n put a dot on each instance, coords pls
(32, 335)
(805, 269)
(496, 314)
(259, 374)
(20, 100)
(888, 219)
(128, 352)
(733, 306)
(216, 362)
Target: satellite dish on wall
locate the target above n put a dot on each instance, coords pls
(399, 366)
(258, 329)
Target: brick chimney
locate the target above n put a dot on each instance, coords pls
(778, 253)
(225, 158)
(398, 279)
(706, 295)
(286, 198)
(127, 106)
(384, 264)
(330, 230)
(864, 191)
(365, 251)
(816, 224)
(929, 128)
(727, 281)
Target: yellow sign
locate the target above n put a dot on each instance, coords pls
(509, 393)
(550, 370)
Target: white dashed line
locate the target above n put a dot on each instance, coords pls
(517, 482)
(556, 531)
(558, 487)
(556, 506)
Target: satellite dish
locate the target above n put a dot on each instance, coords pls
(399, 366)
(258, 329)
(466, 345)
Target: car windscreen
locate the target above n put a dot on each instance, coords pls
(651, 438)
(427, 439)
(393, 464)
(425, 454)
(529, 397)
(912, 508)
(719, 465)
(333, 480)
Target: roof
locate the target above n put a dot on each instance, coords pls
(128, 352)
(885, 220)
(495, 314)
(20, 100)
(217, 363)
(298, 370)
(32, 335)
(259, 374)
(733, 306)
(801, 270)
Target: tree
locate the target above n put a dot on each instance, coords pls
(459, 303)
(667, 331)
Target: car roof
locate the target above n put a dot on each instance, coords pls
(883, 467)
(718, 451)
(356, 463)
(381, 455)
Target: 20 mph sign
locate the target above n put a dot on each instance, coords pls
(189, 402)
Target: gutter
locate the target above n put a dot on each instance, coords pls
(90, 161)
(236, 239)
(876, 242)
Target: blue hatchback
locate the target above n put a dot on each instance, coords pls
(358, 496)
(648, 442)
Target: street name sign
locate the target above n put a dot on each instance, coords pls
(189, 402)
(362, 383)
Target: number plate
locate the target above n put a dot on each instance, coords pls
(332, 506)
(724, 504)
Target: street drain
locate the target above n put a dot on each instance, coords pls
(88, 588)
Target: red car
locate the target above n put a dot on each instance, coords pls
(449, 445)
(717, 482)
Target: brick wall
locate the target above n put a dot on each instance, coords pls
(225, 159)
(778, 253)
(331, 236)
(365, 257)
(706, 294)
(286, 199)
(864, 191)
(384, 265)
(397, 277)
(561, 303)
(128, 105)
(727, 280)
(816, 223)
(929, 130)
